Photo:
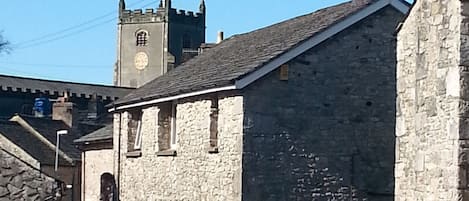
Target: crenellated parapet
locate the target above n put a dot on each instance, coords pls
(139, 15)
(160, 15)
(186, 17)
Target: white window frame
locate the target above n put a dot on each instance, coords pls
(173, 135)
(138, 136)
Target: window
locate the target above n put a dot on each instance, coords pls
(214, 126)
(173, 127)
(134, 139)
(138, 137)
(167, 134)
(142, 38)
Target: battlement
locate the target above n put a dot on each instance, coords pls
(186, 17)
(139, 15)
(188, 13)
(159, 15)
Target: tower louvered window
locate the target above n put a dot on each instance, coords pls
(142, 38)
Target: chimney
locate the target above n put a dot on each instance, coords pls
(220, 37)
(93, 105)
(65, 111)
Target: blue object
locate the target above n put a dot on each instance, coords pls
(42, 106)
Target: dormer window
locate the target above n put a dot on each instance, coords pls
(142, 38)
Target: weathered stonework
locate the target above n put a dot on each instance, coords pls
(328, 132)
(194, 174)
(431, 124)
(166, 30)
(20, 181)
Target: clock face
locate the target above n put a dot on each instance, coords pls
(141, 60)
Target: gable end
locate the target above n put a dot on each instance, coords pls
(318, 39)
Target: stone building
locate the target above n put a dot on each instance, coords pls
(432, 103)
(150, 43)
(154, 41)
(24, 159)
(83, 112)
(20, 181)
(44, 133)
(300, 110)
(33, 140)
(97, 163)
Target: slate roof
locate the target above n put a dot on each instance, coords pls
(48, 128)
(56, 88)
(30, 143)
(98, 135)
(239, 55)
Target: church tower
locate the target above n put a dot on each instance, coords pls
(153, 41)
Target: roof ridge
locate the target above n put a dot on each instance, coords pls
(30, 129)
(64, 82)
(38, 118)
(292, 19)
(222, 66)
(11, 123)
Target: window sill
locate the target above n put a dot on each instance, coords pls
(212, 150)
(169, 152)
(133, 154)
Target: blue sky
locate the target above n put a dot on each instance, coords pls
(87, 54)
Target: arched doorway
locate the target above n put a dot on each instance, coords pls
(108, 188)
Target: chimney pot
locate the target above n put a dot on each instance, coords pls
(220, 37)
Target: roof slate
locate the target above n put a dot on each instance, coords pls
(58, 87)
(30, 143)
(239, 55)
(98, 135)
(48, 128)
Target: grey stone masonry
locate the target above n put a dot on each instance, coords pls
(192, 173)
(326, 133)
(19, 181)
(166, 30)
(432, 122)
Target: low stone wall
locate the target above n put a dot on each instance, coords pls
(19, 181)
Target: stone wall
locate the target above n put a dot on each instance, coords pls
(20, 181)
(126, 75)
(164, 48)
(194, 173)
(432, 109)
(328, 132)
(95, 164)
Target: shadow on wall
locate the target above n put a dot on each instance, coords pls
(326, 133)
(296, 172)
